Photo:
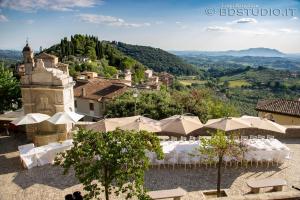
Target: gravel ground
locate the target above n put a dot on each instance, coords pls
(47, 182)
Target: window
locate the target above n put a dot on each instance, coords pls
(75, 104)
(91, 106)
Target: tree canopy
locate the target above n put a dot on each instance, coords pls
(110, 162)
(105, 58)
(158, 59)
(162, 104)
(10, 93)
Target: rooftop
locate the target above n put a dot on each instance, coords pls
(280, 106)
(97, 88)
(44, 55)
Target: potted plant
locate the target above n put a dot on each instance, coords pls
(216, 148)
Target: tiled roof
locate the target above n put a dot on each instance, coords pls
(45, 56)
(97, 89)
(280, 106)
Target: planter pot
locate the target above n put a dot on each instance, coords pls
(212, 194)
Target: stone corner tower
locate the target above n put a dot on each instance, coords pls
(47, 89)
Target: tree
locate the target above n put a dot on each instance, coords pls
(156, 104)
(10, 93)
(218, 146)
(110, 162)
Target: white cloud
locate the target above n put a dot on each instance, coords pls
(244, 21)
(218, 29)
(59, 5)
(294, 18)
(3, 18)
(288, 30)
(159, 22)
(29, 21)
(109, 20)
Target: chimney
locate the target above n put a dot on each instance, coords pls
(83, 92)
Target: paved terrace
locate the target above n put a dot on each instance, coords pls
(47, 182)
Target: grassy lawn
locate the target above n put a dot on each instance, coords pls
(189, 82)
(238, 83)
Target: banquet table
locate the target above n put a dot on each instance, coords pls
(42, 155)
(257, 149)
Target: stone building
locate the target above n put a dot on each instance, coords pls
(92, 96)
(166, 78)
(281, 111)
(46, 88)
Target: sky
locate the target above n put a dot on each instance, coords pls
(167, 24)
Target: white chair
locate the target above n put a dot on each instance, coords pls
(279, 156)
(261, 137)
(182, 138)
(257, 157)
(270, 137)
(253, 137)
(173, 138)
(150, 156)
(267, 156)
(172, 159)
(23, 149)
(215, 161)
(227, 159)
(204, 160)
(195, 158)
(183, 158)
(158, 162)
(289, 157)
(248, 157)
(192, 138)
(243, 137)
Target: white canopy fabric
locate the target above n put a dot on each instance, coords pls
(227, 124)
(142, 123)
(31, 118)
(180, 124)
(65, 117)
(264, 124)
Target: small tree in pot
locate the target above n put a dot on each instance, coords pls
(217, 147)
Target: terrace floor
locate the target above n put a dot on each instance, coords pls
(47, 182)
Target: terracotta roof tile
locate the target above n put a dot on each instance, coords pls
(97, 89)
(45, 56)
(280, 106)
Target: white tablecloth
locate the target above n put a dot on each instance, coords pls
(44, 154)
(257, 149)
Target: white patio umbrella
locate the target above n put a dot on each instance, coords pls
(263, 124)
(65, 117)
(140, 123)
(180, 124)
(31, 118)
(227, 124)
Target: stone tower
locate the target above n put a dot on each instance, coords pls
(46, 88)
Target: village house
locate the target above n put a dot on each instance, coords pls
(166, 78)
(281, 111)
(92, 95)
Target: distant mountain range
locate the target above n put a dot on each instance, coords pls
(10, 54)
(256, 52)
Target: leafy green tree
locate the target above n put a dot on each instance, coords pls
(109, 71)
(10, 93)
(112, 162)
(156, 104)
(218, 146)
